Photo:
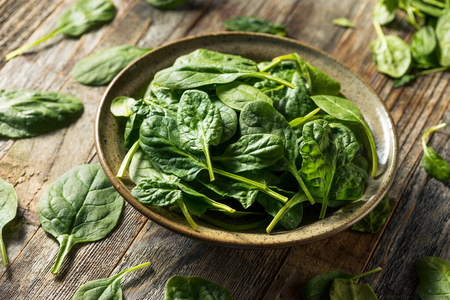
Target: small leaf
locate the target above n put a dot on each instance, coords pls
(165, 4)
(434, 277)
(195, 288)
(405, 79)
(250, 24)
(343, 22)
(318, 288)
(375, 219)
(122, 106)
(8, 210)
(434, 164)
(104, 289)
(346, 289)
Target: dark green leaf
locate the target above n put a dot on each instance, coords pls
(244, 23)
(346, 289)
(288, 215)
(405, 79)
(434, 164)
(104, 289)
(143, 167)
(443, 37)
(229, 120)
(237, 94)
(79, 18)
(375, 219)
(8, 210)
(29, 113)
(318, 288)
(348, 184)
(165, 4)
(343, 22)
(80, 206)
(434, 276)
(102, 66)
(384, 11)
(194, 288)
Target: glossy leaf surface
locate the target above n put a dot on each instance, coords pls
(194, 288)
(8, 210)
(434, 277)
(433, 163)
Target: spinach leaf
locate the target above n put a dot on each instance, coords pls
(102, 66)
(343, 22)
(8, 210)
(81, 17)
(194, 288)
(237, 94)
(345, 110)
(426, 8)
(142, 166)
(199, 124)
(260, 117)
(29, 113)
(244, 23)
(391, 54)
(122, 106)
(229, 120)
(443, 37)
(160, 140)
(80, 206)
(375, 219)
(348, 184)
(165, 4)
(252, 151)
(346, 289)
(384, 11)
(104, 289)
(204, 67)
(434, 164)
(167, 95)
(434, 274)
(405, 79)
(318, 288)
(289, 216)
(424, 40)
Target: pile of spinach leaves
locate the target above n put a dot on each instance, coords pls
(222, 137)
(429, 51)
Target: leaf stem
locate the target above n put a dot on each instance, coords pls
(429, 71)
(301, 120)
(126, 161)
(22, 49)
(432, 129)
(272, 78)
(124, 272)
(65, 244)
(233, 227)
(219, 205)
(300, 181)
(186, 214)
(274, 63)
(373, 149)
(366, 273)
(296, 199)
(3, 251)
(208, 161)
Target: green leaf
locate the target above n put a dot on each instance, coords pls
(443, 37)
(104, 289)
(318, 288)
(122, 106)
(237, 94)
(434, 277)
(80, 206)
(290, 215)
(375, 219)
(405, 79)
(165, 4)
(229, 120)
(199, 124)
(102, 66)
(391, 54)
(194, 288)
(79, 18)
(346, 289)
(244, 23)
(8, 210)
(143, 167)
(252, 152)
(434, 164)
(384, 11)
(424, 40)
(29, 113)
(344, 110)
(343, 22)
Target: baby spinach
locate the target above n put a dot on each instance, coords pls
(434, 274)
(375, 219)
(346, 289)
(80, 206)
(318, 288)
(102, 66)
(289, 216)
(433, 163)
(81, 17)
(345, 110)
(384, 11)
(343, 22)
(443, 37)
(244, 23)
(8, 210)
(194, 288)
(142, 167)
(29, 113)
(165, 4)
(229, 120)
(424, 40)
(104, 289)
(237, 94)
(121, 106)
(391, 54)
(199, 124)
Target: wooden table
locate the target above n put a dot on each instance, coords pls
(418, 226)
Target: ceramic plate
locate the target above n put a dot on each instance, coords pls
(133, 81)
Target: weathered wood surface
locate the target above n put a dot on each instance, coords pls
(417, 227)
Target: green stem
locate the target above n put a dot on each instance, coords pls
(272, 78)
(219, 205)
(411, 18)
(296, 199)
(22, 49)
(232, 227)
(432, 129)
(429, 71)
(373, 149)
(3, 251)
(302, 184)
(301, 120)
(65, 244)
(262, 187)
(208, 161)
(186, 214)
(381, 35)
(126, 161)
(274, 63)
(124, 272)
(323, 209)
(151, 103)
(366, 273)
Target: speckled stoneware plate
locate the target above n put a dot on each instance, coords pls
(260, 47)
